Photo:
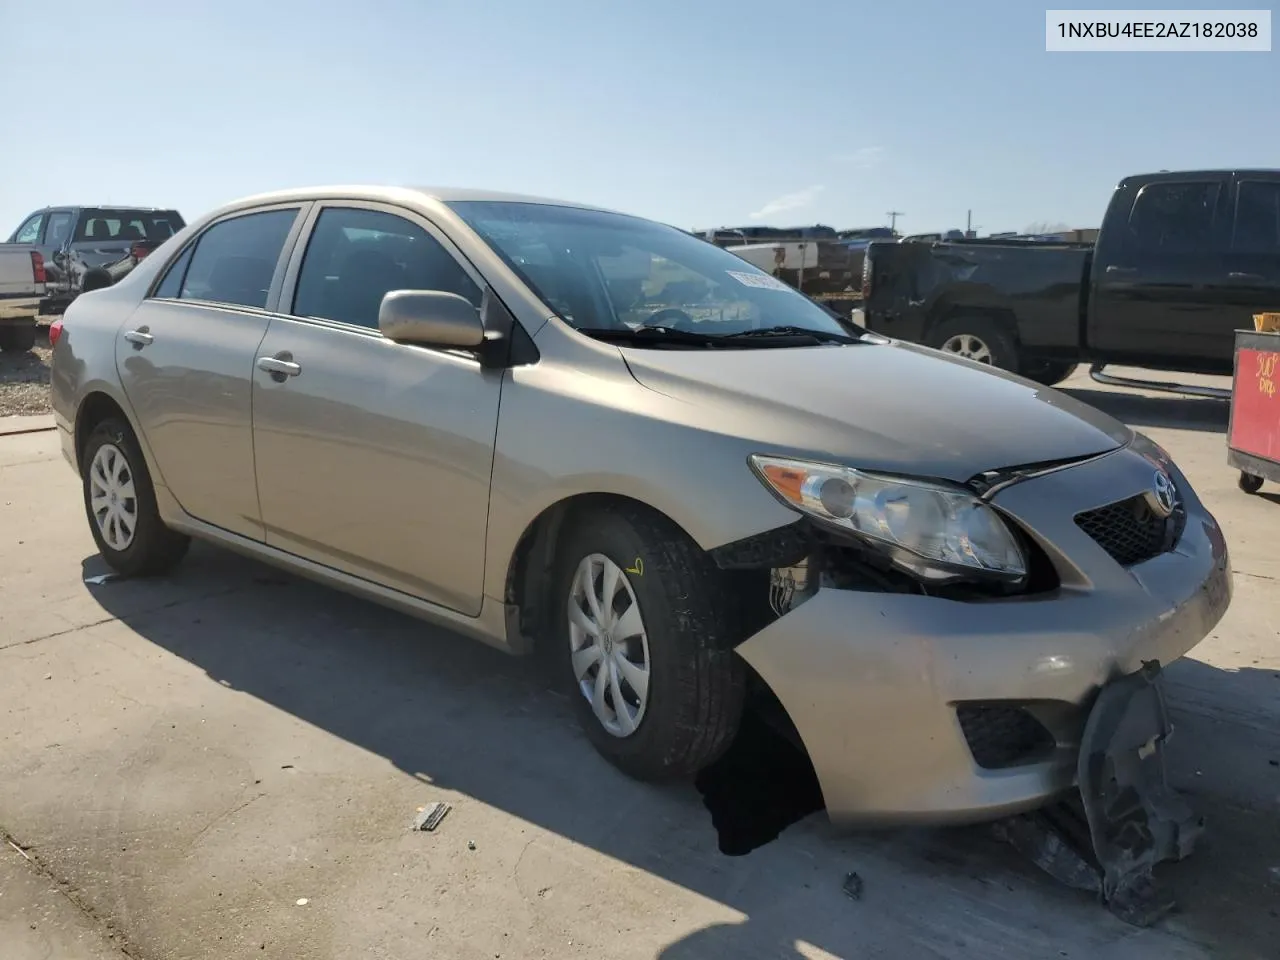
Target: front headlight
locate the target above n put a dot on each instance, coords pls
(937, 532)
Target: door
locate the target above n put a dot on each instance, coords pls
(374, 457)
(1160, 289)
(1253, 263)
(186, 359)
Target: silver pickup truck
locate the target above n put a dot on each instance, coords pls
(22, 288)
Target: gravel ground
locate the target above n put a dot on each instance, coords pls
(24, 379)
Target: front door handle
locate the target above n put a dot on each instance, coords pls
(1115, 269)
(279, 368)
(1237, 275)
(140, 337)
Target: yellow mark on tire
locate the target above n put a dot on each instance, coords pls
(638, 569)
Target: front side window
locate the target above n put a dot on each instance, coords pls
(235, 259)
(1174, 218)
(29, 232)
(609, 271)
(356, 256)
(1257, 227)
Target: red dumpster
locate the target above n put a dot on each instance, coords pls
(1253, 437)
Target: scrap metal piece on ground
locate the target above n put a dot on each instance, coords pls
(852, 886)
(429, 817)
(1126, 818)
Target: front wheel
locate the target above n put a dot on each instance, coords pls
(121, 504)
(645, 632)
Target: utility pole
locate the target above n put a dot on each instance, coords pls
(893, 216)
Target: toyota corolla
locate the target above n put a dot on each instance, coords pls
(557, 427)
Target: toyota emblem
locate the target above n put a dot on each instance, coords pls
(1162, 497)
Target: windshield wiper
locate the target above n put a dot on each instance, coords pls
(657, 334)
(823, 336)
(769, 336)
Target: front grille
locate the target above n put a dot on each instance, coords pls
(1130, 532)
(1000, 735)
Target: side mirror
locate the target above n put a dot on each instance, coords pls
(430, 318)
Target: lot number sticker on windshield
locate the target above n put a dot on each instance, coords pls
(761, 280)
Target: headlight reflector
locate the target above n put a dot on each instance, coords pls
(935, 531)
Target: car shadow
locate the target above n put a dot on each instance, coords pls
(1140, 410)
(456, 714)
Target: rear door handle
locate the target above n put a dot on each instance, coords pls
(1237, 275)
(1115, 269)
(278, 368)
(139, 337)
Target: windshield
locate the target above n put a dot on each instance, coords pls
(610, 271)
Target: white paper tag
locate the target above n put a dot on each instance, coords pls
(760, 280)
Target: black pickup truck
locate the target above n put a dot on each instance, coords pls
(85, 248)
(1181, 262)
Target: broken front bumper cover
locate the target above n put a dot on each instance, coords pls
(873, 682)
(1126, 818)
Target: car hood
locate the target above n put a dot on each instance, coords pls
(888, 407)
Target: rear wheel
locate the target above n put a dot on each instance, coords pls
(120, 503)
(1048, 372)
(645, 631)
(18, 337)
(95, 280)
(976, 337)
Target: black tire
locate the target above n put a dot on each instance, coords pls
(696, 679)
(154, 549)
(1048, 372)
(1000, 344)
(95, 280)
(18, 338)
(1250, 483)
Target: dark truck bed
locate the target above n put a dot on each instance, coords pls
(1182, 261)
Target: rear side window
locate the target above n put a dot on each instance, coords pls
(234, 260)
(1174, 218)
(1257, 228)
(356, 256)
(127, 226)
(59, 229)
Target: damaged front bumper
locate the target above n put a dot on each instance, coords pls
(1126, 818)
(898, 698)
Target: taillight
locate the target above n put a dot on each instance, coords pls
(55, 331)
(866, 275)
(37, 267)
(139, 250)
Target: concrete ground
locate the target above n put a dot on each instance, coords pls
(226, 764)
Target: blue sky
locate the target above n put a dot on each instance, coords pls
(695, 112)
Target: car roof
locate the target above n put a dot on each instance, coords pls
(395, 194)
(104, 206)
(1163, 175)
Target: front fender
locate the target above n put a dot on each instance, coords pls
(614, 436)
